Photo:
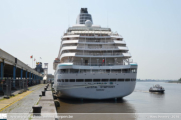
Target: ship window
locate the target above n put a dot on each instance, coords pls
(74, 71)
(127, 80)
(79, 80)
(105, 80)
(133, 70)
(125, 71)
(94, 71)
(59, 80)
(66, 80)
(96, 80)
(121, 80)
(87, 71)
(115, 71)
(64, 71)
(107, 71)
(82, 71)
(113, 80)
(72, 80)
(88, 80)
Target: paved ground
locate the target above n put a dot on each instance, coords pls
(15, 92)
(20, 106)
(48, 110)
(22, 103)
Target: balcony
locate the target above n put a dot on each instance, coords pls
(96, 47)
(95, 41)
(100, 54)
(102, 48)
(97, 64)
(95, 55)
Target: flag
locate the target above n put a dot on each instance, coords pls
(31, 56)
(34, 59)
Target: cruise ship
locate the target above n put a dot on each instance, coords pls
(93, 62)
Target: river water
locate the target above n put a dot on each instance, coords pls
(140, 101)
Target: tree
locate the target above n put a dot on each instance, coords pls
(179, 79)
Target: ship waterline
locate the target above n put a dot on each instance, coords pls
(93, 62)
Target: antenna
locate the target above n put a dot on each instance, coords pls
(107, 20)
(68, 18)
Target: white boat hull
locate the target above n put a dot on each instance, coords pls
(100, 91)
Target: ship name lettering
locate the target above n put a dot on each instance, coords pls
(107, 86)
(91, 87)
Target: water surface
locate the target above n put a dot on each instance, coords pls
(140, 101)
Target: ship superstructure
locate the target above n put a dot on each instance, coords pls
(93, 62)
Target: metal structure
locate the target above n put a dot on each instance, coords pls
(15, 75)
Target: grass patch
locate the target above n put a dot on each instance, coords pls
(38, 101)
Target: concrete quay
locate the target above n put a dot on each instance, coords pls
(19, 107)
(48, 110)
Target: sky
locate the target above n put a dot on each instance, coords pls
(151, 29)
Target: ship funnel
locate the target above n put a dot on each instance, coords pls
(83, 16)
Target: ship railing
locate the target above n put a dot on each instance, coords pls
(114, 34)
(69, 33)
(97, 64)
(95, 72)
(96, 47)
(96, 41)
(100, 54)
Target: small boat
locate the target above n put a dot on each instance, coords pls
(157, 88)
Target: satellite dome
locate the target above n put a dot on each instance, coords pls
(88, 23)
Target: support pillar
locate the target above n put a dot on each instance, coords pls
(2, 70)
(32, 79)
(21, 81)
(1, 77)
(29, 78)
(35, 79)
(14, 76)
(21, 73)
(26, 80)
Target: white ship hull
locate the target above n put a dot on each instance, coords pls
(96, 90)
(117, 90)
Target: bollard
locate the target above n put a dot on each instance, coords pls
(45, 89)
(43, 93)
(57, 103)
(54, 96)
(37, 110)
